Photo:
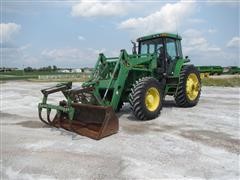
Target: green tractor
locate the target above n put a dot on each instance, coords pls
(155, 68)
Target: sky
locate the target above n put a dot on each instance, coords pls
(71, 34)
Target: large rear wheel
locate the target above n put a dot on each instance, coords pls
(189, 88)
(146, 98)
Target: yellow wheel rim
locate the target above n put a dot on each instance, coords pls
(192, 86)
(152, 99)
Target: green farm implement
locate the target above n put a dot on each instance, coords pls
(210, 69)
(156, 68)
(232, 70)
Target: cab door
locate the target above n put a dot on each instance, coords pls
(171, 54)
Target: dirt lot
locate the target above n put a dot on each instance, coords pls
(201, 142)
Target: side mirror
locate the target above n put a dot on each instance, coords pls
(134, 48)
(186, 59)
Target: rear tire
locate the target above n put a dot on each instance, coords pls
(189, 88)
(146, 98)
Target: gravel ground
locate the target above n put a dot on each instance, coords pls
(190, 143)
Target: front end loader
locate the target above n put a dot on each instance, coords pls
(143, 79)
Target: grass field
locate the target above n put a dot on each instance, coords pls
(225, 82)
(21, 75)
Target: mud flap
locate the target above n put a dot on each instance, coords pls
(93, 121)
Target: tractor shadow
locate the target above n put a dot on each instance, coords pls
(63, 132)
(127, 112)
(32, 124)
(169, 104)
(38, 124)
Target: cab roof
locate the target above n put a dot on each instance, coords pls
(152, 36)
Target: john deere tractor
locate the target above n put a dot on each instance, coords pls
(155, 68)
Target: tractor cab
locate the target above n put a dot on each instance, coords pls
(167, 47)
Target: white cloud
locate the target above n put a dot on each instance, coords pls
(61, 57)
(203, 52)
(194, 41)
(234, 42)
(18, 56)
(81, 38)
(212, 30)
(222, 3)
(72, 57)
(99, 8)
(61, 54)
(196, 20)
(8, 30)
(168, 18)
(26, 46)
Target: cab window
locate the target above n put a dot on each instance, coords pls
(144, 48)
(171, 48)
(150, 46)
(179, 49)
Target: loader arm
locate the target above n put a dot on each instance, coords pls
(110, 77)
(127, 63)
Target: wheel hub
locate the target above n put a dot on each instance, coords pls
(152, 99)
(192, 86)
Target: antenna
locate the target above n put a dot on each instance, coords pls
(176, 24)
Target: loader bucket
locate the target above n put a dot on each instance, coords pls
(92, 121)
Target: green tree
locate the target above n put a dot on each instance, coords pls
(55, 68)
(28, 69)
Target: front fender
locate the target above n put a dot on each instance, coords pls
(178, 66)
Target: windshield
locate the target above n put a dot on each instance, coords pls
(150, 46)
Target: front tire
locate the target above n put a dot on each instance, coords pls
(146, 98)
(189, 88)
